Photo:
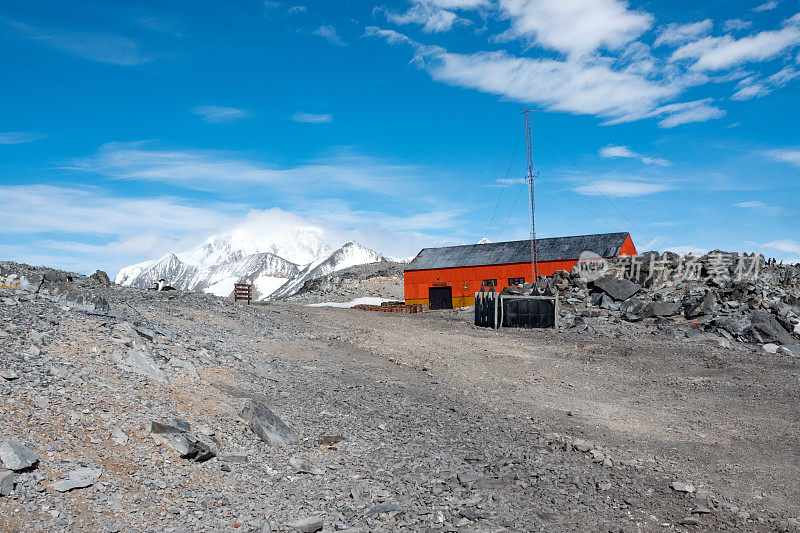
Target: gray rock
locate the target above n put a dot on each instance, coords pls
(790, 349)
(606, 302)
(770, 348)
(304, 466)
(710, 339)
(101, 278)
(311, 524)
(678, 486)
(78, 479)
(65, 294)
(386, 507)
(6, 482)
(642, 309)
(16, 456)
(766, 328)
(735, 325)
(8, 374)
(619, 289)
(266, 424)
(141, 363)
(266, 527)
(706, 306)
(146, 333)
(177, 434)
(119, 436)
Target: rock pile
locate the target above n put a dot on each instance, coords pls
(724, 295)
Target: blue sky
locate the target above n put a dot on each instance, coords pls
(130, 129)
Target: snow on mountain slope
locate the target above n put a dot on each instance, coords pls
(299, 245)
(263, 269)
(276, 261)
(351, 254)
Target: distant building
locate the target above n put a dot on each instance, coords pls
(448, 277)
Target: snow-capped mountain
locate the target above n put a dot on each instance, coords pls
(277, 264)
(351, 254)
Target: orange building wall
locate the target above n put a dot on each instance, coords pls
(466, 281)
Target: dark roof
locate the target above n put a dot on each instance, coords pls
(504, 253)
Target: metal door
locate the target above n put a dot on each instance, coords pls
(440, 298)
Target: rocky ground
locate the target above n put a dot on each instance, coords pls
(380, 280)
(292, 418)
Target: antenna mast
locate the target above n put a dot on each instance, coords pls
(529, 178)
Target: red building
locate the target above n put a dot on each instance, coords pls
(448, 277)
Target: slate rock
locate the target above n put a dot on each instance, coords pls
(266, 424)
(766, 328)
(177, 434)
(15, 455)
(311, 524)
(678, 486)
(706, 306)
(790, 349)
(304, 466)
(638, 309)
(65, 294)
(619, 289)
(78, 479)
(386, 507)
(140, 362)
(6, 482)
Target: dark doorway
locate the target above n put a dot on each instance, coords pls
(440, 298)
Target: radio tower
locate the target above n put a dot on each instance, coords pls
(529, 178)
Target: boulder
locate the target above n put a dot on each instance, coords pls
(177, 434)
(312, 524)
(618, 288)
(6, 482)
(638, 309)
(140, 362)
(101, 278)
(706, 306)
(266, 424)
(65, 294)
(78, 479)
(15, 455)
(765, 328)
(790, 349)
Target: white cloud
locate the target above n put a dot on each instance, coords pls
(675, 33)
(754, 87)
(329, 33)
(574, 85)
(759, 206)
(736, 24)
(687, 112)
(216, 114)
(612, 151)
(87, 228)
(104, 48)
(621, 189)
(784, 245)
(312, 118)
(766, 6)
(295, 10)
(577, 27)
(791, 156)
(212, 170)
(19, 137)
(717, 53)
(433, 18)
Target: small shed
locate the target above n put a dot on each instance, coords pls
(448, 277)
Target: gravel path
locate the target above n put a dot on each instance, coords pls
(403, 422)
